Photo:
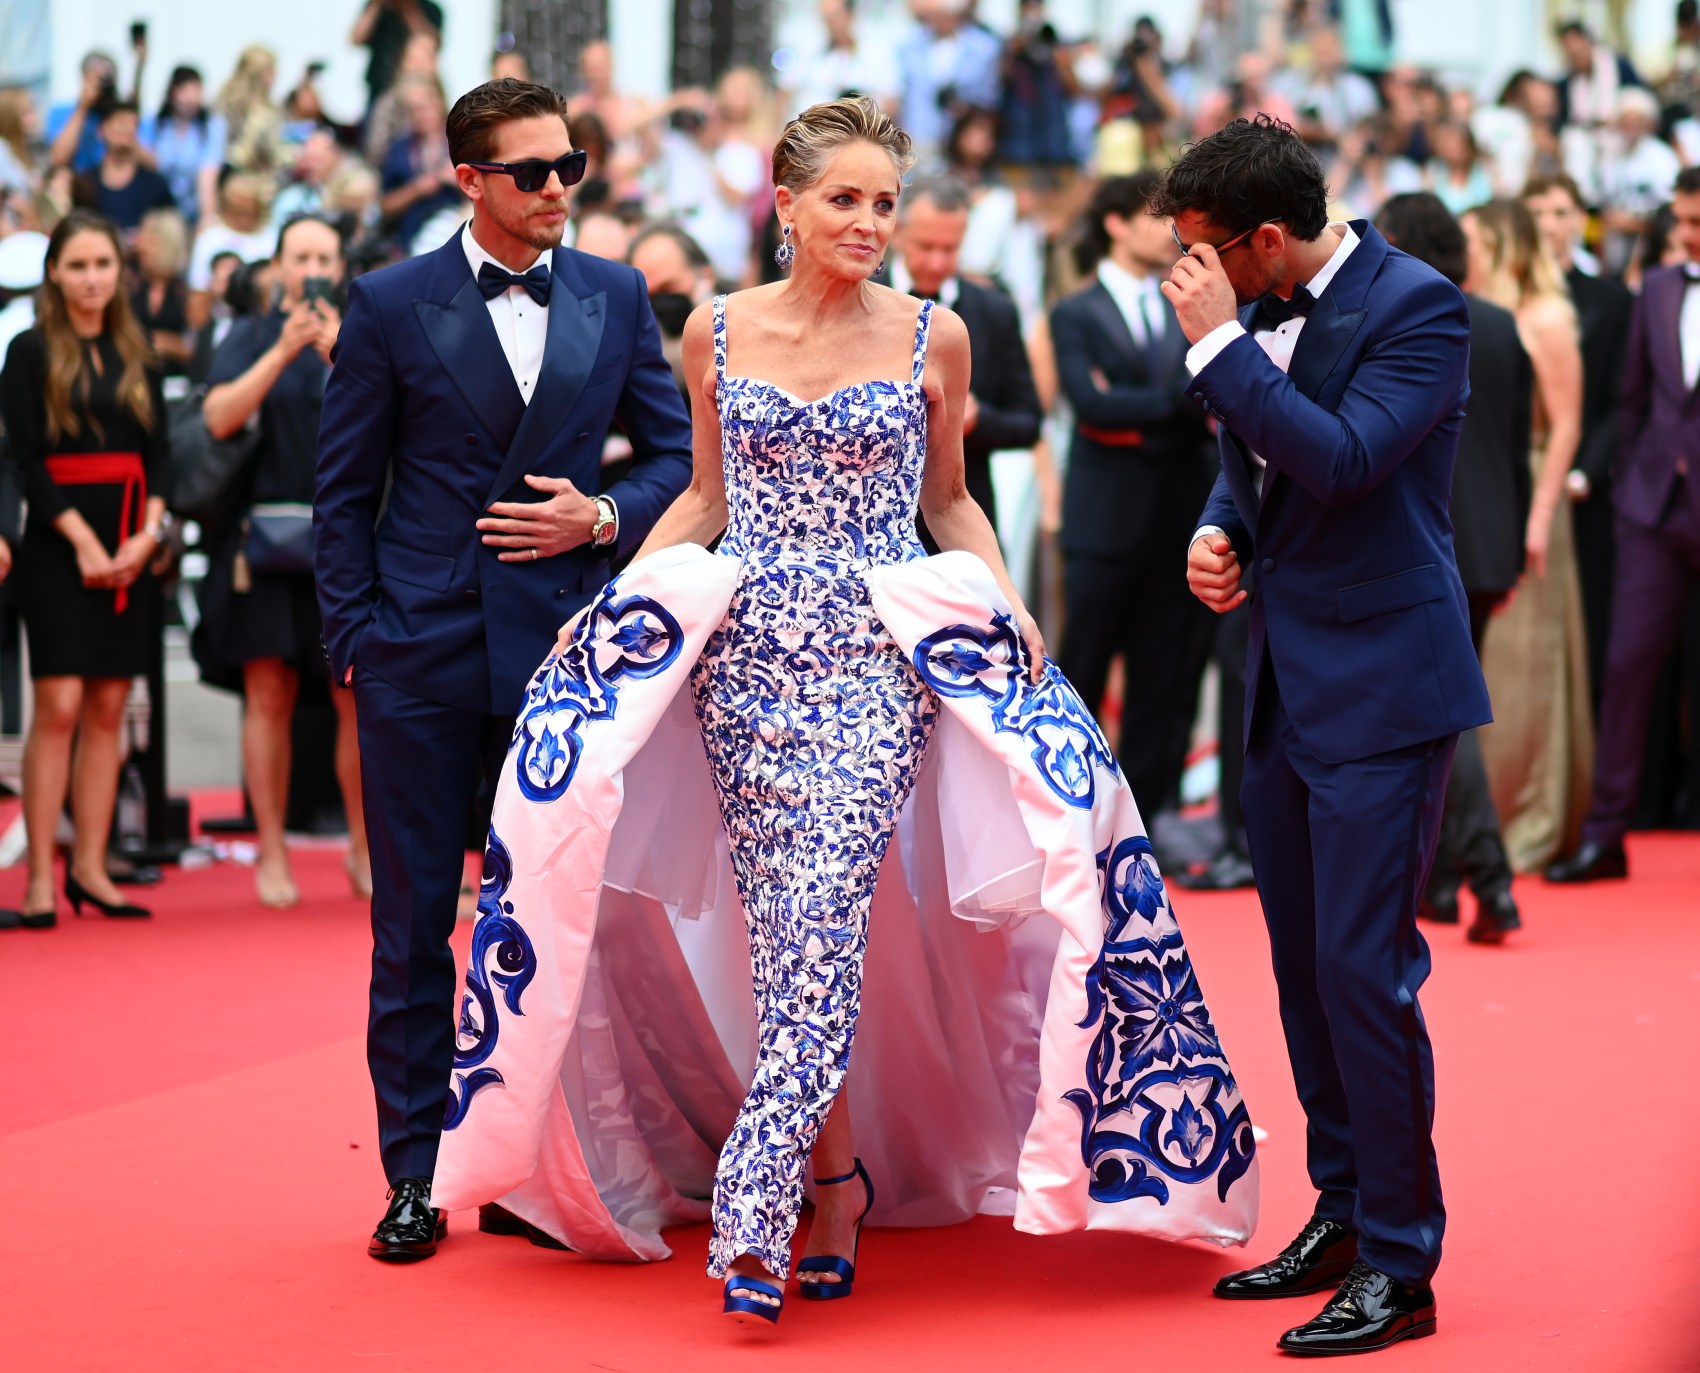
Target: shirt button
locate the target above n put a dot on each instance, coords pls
(1269, 564)
(472, 438)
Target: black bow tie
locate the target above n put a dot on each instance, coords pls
(1691, 273)
(919, 294)
(493, 280)
(1272, 311)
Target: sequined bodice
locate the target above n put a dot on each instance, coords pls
(829, 481)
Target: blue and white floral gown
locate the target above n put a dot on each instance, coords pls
(662, 995)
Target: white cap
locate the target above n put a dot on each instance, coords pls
(23, 260)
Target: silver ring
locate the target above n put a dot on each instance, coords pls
(534, 555)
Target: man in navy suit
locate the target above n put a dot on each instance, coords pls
(1340, 391)
(460, 520)
(1657, 494)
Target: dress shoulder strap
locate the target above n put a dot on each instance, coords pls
(921, 326)
(719, 337)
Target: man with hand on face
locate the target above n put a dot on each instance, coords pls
(1338, 368)
(460, 522)
(1003, 403)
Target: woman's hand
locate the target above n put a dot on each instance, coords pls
(1028, 628)
(1536, 538)
(570, 628)
(300, 330)
(96, 565)
(132, 558)
(329, 323)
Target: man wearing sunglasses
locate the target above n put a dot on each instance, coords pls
(460, 521)
(1337, 367)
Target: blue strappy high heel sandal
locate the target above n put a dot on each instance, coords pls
(745, 1307)
(844, 1269)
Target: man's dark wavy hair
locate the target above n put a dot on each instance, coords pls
(1252, 172)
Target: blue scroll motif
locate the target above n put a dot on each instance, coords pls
(1064, 739)
(1160, 1104)
(619, 638)
(498, 940)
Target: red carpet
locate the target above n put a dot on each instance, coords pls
(188, 1172)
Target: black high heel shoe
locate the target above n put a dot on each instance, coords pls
(76, 893)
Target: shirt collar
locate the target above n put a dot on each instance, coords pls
(476, 257)
(1118, 279)
(1319, 283)
(902, 281)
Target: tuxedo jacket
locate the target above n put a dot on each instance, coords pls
(1659, 420)
(1357, 600)
(424, 427)
(1491, 485)
(1001, 376)
(1603, 308)
(1128, 438)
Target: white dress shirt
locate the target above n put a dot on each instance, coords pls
(522, 325)
(1278, 343)
(902, 281)
(1138, 299)
(1689, 327)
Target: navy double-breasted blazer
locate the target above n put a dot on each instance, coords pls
(424, 427)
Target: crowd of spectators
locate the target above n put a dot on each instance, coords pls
(1032, 122)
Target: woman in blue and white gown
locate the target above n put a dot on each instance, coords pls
(672, 959)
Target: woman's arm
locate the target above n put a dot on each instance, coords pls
(1549, 334)
(230, 404)
(953, 517)
(699, 513)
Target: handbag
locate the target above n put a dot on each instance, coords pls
(278, 538)
(206, 473)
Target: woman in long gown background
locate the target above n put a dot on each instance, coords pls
(1539, 750)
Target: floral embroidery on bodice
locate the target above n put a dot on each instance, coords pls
(831, 480)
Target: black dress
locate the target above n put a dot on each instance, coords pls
(278, 615)
(171, 318)
(74, 630)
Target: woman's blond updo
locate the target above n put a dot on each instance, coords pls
(808, 142)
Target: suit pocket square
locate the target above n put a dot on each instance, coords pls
(1399, 592)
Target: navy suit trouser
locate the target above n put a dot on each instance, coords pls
(421, 766)
(1342, 851)
(1657, 571)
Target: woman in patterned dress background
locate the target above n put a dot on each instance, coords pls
(823, 394)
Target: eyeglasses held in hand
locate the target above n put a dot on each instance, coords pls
(1221, 248)
(533, 174)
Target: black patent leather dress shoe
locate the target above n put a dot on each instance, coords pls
(410, 1228)
(1496, 917)
(498, 1220)
(1369, 1312)
(1438, 909)
(1230, 870)
(1318, 1259)
(10, 919)
(1591, 863)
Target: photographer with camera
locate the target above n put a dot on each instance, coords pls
(258, 603)
(1038, 90)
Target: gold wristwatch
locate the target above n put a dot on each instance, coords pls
(607, 526)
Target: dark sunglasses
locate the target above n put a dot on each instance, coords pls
(533, 174)
(1221, 248)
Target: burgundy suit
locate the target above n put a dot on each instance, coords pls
(1657, 496)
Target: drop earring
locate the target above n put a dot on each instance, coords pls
(786, 253)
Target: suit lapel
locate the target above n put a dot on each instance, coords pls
(1667, 326)
(1337, 316)
(456, 321)
(1109, 316)
(569, 353)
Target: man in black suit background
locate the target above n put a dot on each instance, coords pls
(1603, 308)
(1140, 468)
(1490, 510)
(1003, 404)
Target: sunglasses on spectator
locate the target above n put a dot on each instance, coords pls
(1221, 248)
(533, 174)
